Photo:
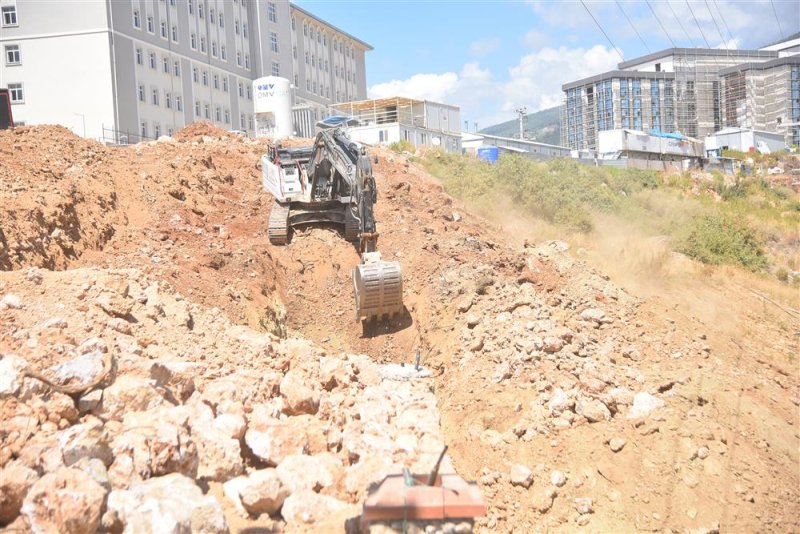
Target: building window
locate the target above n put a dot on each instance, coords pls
(294, 52)
(227, 116)
(214, 48)
(313, 60)
(236, 26)
(152, 56)
(249, 94)
(202, 44)
(247, 61)
(191, 7)
(167, 101)
(244, 30)
(272, 12)
(15, 91)
(225, 84)
(207, 111)
(315, 86)
(276, 69)
(205, 77)
(156, 131)
(10, 17)
(165, 62)
(221, 20)
(241, 90)
(176, 68)
(200, 9)
(242, 122)
(273, 41)
(216, 81)
(305, 29)
(222, 53)
(169, 132)
(144, 130)
(175, 34)
(193, 41)
(137, 22)
(306, 54)
(155, 97)
(163, 29)
(178, 103)
(308, 85)
(239, 59)
(172, 3)
(296, 80)
(211, 16)
(197, 108)
(139, 58)
(218, 114)
(150, 24)
(293, 24)
(141, 93)
(195, 74)
(251, 122)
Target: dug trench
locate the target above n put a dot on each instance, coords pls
(572, 402)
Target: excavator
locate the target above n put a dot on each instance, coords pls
(332, 182)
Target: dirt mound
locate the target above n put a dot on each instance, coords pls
(197, 130)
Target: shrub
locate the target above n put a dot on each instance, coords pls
(402, 146)
(722, 238)
(782, 275)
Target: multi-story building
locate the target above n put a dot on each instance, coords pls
(124, 70)
(674, 90)
(765, 96)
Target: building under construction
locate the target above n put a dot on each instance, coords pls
(682, 90)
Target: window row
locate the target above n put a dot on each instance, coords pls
(152, 62)
(144, 131)
(165, 32)
(204, 111)
(175, 103)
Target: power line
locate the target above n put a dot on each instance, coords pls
(632, 26)
(776, 17)
(724, 22)
(602, 30)
(680, 23)
(660, 24)
(717, 25)
(698, 23)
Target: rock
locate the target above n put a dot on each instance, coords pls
(593, 410)
(272, 440)
(220, 455)
(473, 320)
(66, 501)
(702, 453)
(552, 344)
(298, 397)
(558, 479)
(559, 402)
(15, 481)
(455, 217)
(584, 505)
(617, 444)
(543, 500)
(307, 507)
(299, 472)
(261, 492)
(95, 469)
(128, 393)
(85, 440)
(231, 425)
(79, 371)
(12, 374)
(521, 476)
(175, 377)
(643, 405)
(11, 301)
(593, 314)
(171, 503)
(149, 446)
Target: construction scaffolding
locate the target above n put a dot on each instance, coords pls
(676, 90)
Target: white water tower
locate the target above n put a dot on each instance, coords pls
(272, 102)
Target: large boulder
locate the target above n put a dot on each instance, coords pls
(261, 492)
(128, 393)
(172, 503)
(299, 397)
(299, 472)
(15, 481)
(67, 501)
(272, 440)
(85, 440)
(12, 373)
(306, 507)
(220, 455)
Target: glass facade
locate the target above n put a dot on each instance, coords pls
(605, 106)
(794, 100)
(655, 105)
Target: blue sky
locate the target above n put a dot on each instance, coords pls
(492, 57)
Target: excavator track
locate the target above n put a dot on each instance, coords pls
(351, 226)
(278, 229)
(378, 287)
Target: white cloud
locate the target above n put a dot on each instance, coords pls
(483, 47)
(535, 39)
(534, 82)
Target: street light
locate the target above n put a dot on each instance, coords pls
(521, 112)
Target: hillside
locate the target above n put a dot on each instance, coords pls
(164, 368)
(543, 126)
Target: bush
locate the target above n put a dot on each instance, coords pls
(782, 275)
(721, 238)
(402, 146)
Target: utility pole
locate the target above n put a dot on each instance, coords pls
(521, 112)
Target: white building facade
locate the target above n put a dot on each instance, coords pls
(123, 70)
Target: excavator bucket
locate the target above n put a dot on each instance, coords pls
(378, 287)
